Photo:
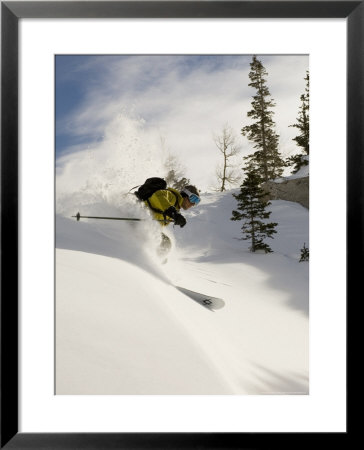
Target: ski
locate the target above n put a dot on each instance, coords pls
(207, 301)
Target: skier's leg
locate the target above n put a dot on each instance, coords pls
(166, 243)
(165, 246)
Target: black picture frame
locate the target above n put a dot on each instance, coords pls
(11, 12)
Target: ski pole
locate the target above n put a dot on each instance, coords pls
(78, 217)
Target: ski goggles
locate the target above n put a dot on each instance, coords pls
(193, 198)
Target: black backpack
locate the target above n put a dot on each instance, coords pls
(150, 186)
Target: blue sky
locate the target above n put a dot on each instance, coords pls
(183, 98)
(74, 78)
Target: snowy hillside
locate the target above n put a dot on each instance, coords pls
(123, 328)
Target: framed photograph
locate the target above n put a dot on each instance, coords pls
(121, 331)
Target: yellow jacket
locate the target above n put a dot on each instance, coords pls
(163, 199)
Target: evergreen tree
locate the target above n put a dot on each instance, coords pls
(175, 177)
(252, 211)
(303, 124)
(175, 182)
(303, 119)
(180, 183)
(262, 132)
(304, 253)
(297, 161)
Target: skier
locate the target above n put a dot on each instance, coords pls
(166, 204)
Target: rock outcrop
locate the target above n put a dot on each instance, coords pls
(292, 190)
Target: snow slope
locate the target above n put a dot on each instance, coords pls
(122, 327)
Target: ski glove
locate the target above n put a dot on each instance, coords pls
(180, 220)
(173, 214)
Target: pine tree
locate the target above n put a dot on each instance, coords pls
(174, 176)
(252, 210)
(180, 184)
(297, 161)
(303, 119)
(304, 253)
(303, 124)
(174, 181)
(262, 132)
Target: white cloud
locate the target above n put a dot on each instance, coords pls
(186, 101)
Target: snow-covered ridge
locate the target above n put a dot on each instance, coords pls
(123, 328)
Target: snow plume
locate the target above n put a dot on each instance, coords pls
(97, 179)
